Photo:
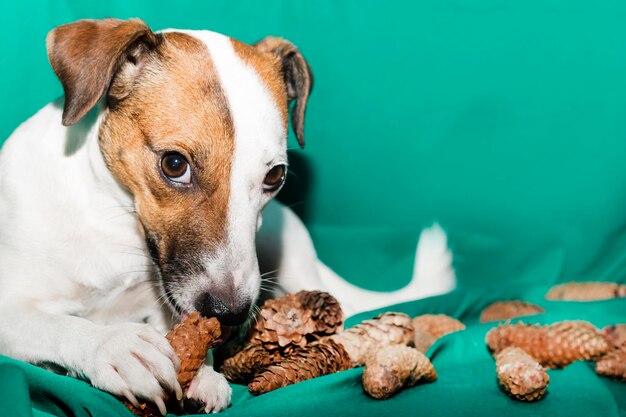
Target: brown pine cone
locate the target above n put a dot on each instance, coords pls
(586, 291)
(437, 325)
(393, 367)
(385, 329)
(241, 367)
(616, 335)
(553, 346)
(422, 341)
(506, 310)
(319, 358)
(613, 364)
(520, 376)
(190, 339)
(325, 311)
(282, 322)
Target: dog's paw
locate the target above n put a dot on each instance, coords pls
(134, 361)
(208, 392)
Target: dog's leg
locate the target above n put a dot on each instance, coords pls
(209, 392)
(130, 360)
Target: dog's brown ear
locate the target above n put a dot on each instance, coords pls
(298, 79)
(86, 54)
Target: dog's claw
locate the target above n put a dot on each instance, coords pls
(179, 392)
(131, 398)
(160, 404)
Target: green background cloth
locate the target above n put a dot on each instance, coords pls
(505, 122)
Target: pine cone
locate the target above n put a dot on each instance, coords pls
(506, 310)
(334, 353)
(190, 339)
(422, 341)
(553, 346)
(241, 368)
(613, 364)
(437, 325)
(325, 311)
(616, 335)
(520, 376)
(282, 322)
(393, 367)
(316, 359)
(385, 329)
(586, 291)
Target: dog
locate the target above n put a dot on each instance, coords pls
(139, 197)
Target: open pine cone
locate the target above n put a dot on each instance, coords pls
(325, 311)
(294, 320)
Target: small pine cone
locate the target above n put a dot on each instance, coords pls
(554, 346)
(241, 367)
(191, 339)
(616, 335)
(437, 325)
(325, 311)
(520, 376)
(319, 358)
(282, 322)
(586, 291)
(613, 364)
(506, 310)
(385, 329)
(393, 367)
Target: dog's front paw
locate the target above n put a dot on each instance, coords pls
(134, 361)
(208, 392)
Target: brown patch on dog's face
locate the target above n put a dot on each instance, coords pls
(174, 104)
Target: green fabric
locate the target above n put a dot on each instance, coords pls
(504, 121)
(467, 384)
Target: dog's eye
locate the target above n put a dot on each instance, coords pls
(176, 168)
(274, 178)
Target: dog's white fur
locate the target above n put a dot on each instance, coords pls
(76, 283)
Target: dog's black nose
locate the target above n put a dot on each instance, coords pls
(230, 315)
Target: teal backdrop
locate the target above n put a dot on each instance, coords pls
(503, 121)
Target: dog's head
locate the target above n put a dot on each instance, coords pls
(195, 128)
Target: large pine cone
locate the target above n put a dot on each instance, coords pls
(316, 359)
(325, 311)
(553, 346)
(282, 322)
(241, 367)
(294, 320)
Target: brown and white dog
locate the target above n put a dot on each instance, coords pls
(146, 201)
